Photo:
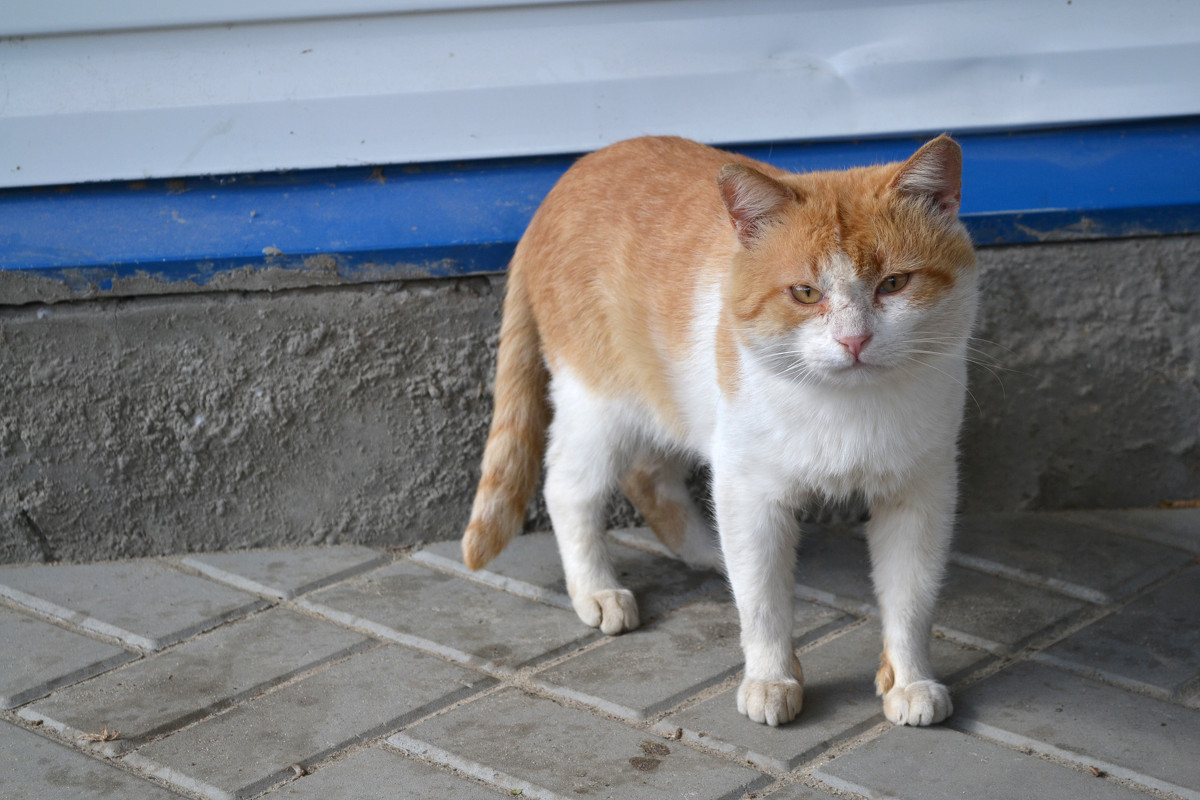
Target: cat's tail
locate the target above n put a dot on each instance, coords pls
(517, 440)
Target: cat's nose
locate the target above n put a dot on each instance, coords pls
(855, 344)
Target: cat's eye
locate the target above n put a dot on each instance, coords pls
(893, 283)
(806, 295)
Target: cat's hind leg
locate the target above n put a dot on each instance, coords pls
(584, 457)
(656, 485)
(909, 542)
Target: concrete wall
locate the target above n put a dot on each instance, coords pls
(357, 414)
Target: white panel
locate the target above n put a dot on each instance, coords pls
(511, 80)
(40, 17)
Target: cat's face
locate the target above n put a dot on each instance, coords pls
(851, 275)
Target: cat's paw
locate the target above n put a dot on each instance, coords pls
(611, 610)
(772, 702)
(919, 703)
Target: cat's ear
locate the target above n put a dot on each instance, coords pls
(934, 173)
(752, 199)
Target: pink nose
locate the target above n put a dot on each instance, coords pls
(855, 344)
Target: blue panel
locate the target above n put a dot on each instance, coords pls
(453, 219)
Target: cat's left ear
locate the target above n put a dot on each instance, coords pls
(935, 173)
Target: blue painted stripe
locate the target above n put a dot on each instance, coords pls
(453, 219)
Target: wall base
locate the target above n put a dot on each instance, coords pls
(132, 427)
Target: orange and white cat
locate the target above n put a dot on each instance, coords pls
(804, 335)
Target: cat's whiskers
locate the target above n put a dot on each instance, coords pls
(911, 358)
(973, 356)
(981, 353)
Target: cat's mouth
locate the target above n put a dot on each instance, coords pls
(854, 372)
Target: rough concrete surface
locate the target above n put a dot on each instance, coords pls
(344, 414)
(131, 427)
(1095, 401)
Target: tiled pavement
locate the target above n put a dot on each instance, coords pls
(1072, 643)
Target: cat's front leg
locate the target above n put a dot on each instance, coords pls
(909, 538)
(758, 540)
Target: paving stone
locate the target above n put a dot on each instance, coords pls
(1152, 643)
(939, 764)
(285, 574)
(984, 610)
(1081, 560)
(534, 746)
(36, 658)
(530, 566)
(996, 614)
(377, 774)
(35, 768)
(1177, 527)
(247, 749)
(527, 555)
(642, 673)
(832, 566)
(839, 700)
(474, 624)
(1128, 735)
(797, 792)
(166, 691)
(142, 603)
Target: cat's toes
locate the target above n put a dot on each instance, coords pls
(918, 703)
(774, 703)
(611, 610)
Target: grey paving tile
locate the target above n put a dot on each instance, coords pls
(378, 774)
(35, 768)
(166, 691)
(832, 566)
(1151, 742)
(1178, 527)
(530, 566)
(533, 746)
(528, 557)
(998, 614)
(939, 764)
(285, 574)
(839, 700)
(474, 624)
(247, 749)
(642, 673)
(142, 603)
(1081, 560)
(1152, 643)
(36, 658)
(797, 792)
(984, 610)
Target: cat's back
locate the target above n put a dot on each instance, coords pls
(623, 248)
(639, 190)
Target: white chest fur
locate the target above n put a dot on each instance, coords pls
(836, 441)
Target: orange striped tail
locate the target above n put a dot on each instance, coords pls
(513, 455)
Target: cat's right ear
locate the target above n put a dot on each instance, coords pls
(752, 199)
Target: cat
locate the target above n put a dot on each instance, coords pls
(803, 334)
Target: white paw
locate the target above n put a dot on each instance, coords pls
(771, 702)
(611, 610)
(918, 703)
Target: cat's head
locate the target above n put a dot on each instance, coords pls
(844, 277)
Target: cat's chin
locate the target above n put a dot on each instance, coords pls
(856, 374)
